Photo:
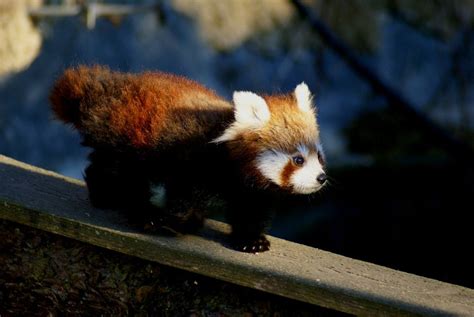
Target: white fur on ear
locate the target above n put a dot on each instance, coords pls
(251, 112)
(303, 97)
(250, 109)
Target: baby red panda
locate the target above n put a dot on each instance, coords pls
(164, 144)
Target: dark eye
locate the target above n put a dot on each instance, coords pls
(321, 158)
(298, 160)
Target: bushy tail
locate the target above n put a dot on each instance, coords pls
(71, 88)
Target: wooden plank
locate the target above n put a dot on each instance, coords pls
(54, 203)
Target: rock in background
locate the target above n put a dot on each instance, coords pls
(21, 40)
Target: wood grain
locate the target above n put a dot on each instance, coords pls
(54, 203)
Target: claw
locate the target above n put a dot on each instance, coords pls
(253, 246)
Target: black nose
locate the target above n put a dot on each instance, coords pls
(322, 178)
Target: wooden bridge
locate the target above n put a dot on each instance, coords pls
(51, 202)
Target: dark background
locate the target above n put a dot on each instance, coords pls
(398, 132)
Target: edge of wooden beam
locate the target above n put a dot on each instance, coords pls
(54, 203)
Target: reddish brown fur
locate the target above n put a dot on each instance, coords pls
(288, 127)
(288, 170)
(149, 110)
(142, 110)
(157, 128)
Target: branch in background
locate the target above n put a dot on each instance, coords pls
(461, 77)
(395, 13)
(92, 11)
(458, 148)
(454, 73)
(457, 50)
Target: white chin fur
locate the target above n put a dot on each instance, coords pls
(304, 180)
(306, 190)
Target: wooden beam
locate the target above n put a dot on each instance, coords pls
(54, 203)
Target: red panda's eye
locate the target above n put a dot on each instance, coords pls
(298, 160)
(321, 158)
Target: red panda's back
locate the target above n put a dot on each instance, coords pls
(142, 111)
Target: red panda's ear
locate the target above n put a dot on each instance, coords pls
(251, 112)
(250, 109)
(303, 97)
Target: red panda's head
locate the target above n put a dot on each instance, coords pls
(276, 140)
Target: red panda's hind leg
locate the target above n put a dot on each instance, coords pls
(115, 181)
(185, 207)
(119, 181)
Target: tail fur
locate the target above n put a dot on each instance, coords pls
(71, 88)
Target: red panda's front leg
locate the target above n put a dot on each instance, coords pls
(250, 245)
(250, 217)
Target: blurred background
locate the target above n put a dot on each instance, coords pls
(393, 83)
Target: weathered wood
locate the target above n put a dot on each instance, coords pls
(54, 203)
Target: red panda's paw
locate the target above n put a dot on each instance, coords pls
(159, 227)
(261, 244)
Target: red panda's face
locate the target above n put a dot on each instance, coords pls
(301, 172)
(277, 140)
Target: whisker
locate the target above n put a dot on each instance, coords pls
(332, 179)
(333, 183)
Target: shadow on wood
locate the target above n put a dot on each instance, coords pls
(54, 203)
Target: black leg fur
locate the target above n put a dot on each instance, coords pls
(121, 182)
(116, 181)
(249, 217)
(185, 208)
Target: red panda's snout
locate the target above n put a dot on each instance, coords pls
(282, 132)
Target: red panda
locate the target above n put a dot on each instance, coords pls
(163, 144)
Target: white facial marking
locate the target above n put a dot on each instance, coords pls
(251, 112)
(271, 164)
(303, 97)
(304, 180)
(303, 150)
(158, 195)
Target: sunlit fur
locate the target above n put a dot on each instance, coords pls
(304, 180)
(269, 142)
(303, 97)
(271, 163)
(163, 145)
(137, 111)
(251, 112)
(278, 167)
